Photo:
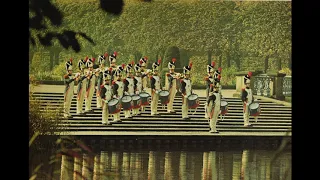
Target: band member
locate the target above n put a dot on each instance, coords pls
(217, 76)
(91, 79)
(138, 86)
(209, 80)
(155, 88)
(129, 88)
(214, 103)
(118, 88)
(99, 75)
(68, 91)
(186, 90)
(145, 73)
(82, 84)
(106, 95)
(113, 61)
(247, 98)
(171, 84)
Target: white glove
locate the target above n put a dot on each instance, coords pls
(126, 93)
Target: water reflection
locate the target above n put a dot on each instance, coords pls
(175, 165)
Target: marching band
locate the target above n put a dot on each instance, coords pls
(123, 87)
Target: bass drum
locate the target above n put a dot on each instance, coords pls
(193, 101)
(164, 96)
(145, 98)
(114, 106)
(136, 101)
(126, 102)
(224, 107)
(254, 109)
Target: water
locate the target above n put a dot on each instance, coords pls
(248, 164)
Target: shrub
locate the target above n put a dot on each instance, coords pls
(286, 71)
(60, 70)
(46, 75)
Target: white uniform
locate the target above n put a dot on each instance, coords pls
(118, 88)
(99, 79)
(68, 94)
(106, 95)
(247, 98)
(155, 89)
(81, 91)
(186, 91)
(171, 86)
(129, 90)
(214, 109)
(89, 92)
(138, 90)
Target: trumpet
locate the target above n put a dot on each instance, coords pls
(178, 76)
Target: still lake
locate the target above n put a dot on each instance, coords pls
(249, 164)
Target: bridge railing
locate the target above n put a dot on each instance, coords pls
(274, 85)
(287, 85)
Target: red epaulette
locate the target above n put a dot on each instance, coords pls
(113, 82)
(66, 76)
(124, 80)
(211, 85)
(181, 80)
(168, 74)
(151, 77)
(101, 86)
(243, 89)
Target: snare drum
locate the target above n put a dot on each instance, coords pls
(114, 106)
(145, 98)
(127, 103)
(254, 109)
(193, 101)
(223, 107)
(136, 101)
(164, 96)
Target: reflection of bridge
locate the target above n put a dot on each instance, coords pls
(204, 165)
(275, 120)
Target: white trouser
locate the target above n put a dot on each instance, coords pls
(105, 112)
(89, 98)
(127, 113)
(184, 107)
(206, 112)
(116, 116)
(154, 103)
(67, 101)
(135, 111)
(99, 101)
(172, 94)
(213, 115)
(246, 114)
(80, 99)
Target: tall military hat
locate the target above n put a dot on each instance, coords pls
(129, 67)
(113, 57)
(90, 62)
(137, 68)
(210, 67)
(81, 64)
(171, 64)
(107, 73)
(247, 78)
(187, 69)
(155, 65)
(143, 61)
(102, 58)
(68, 65)
(119, 70)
